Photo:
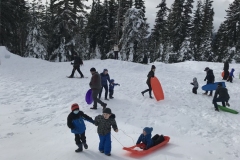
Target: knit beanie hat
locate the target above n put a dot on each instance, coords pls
(148, 130)
(153, 67)
(93, 70)
(107, 110)
(75, 106)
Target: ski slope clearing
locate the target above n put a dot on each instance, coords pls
(36, 96)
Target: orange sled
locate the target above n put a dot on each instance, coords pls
(150, 150)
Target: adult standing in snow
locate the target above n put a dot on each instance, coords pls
(104, 78)
(150, 75)
(225, 70)
(95, 84)
(76, 66)
(221, 95)
(116, 50)
(210, 78)
(145, 59)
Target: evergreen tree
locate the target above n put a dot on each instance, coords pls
(159, 33)
(36, 45)
(140, 4)
(135, 30)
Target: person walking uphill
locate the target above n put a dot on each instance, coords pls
(150, 75)
(95, 85)
(210, 78)
(76, 124)
(104, 78)
(104, 123)
(76, 66)
(223, 96)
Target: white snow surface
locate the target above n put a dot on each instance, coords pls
(36, 96)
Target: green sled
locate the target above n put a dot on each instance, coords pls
(225, 109)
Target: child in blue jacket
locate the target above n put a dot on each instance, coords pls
(230, 77)
(149, 142)
(76, 124)
(111, 88)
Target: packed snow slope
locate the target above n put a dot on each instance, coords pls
(35, 100)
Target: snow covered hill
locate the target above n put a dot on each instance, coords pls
(35, 100)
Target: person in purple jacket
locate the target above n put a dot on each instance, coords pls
(111, 88)
(230, 77)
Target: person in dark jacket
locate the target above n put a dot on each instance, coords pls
(150, 75)
(75, 122)
(210, 78)
(230, 78)
(104, 79)
(95, 84)
(225, 70)
(221, 95)
(111, 88)
(76, 66)
(104, 123)
(195, 85)
(146, 139)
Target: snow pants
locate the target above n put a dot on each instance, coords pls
(105, 143)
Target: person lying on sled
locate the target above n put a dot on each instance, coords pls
(149, 142)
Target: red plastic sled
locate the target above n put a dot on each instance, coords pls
(150, 150)
(157, 89)
(222, 74)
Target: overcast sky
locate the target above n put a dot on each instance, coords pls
(219, 8)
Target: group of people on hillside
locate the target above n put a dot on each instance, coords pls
(104, 122)
(221, 93)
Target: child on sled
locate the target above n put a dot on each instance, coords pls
(146, 139)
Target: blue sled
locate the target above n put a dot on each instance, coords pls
(212, 87)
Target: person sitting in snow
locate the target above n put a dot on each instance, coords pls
(221, 95)
(146, 139)
(76, 66)
(104, 123)
(111, 88)
(195, 85)
(75, 122)
(150, 75)
(104, 78)
(230, 78)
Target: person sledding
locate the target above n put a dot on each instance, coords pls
(230, 77)
(75, 122)
(104, 123)
(150, 75)
(221, 95)
(105, 78)
(76, 66)
(95, 85)
(210, 78)
(146, 139)
(111, 88)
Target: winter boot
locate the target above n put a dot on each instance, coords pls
(70, 76)
(101, 151)
(216, 109)
(104, 106)
(111, 97)
(210, 95)
(107, 99)
(228, 104)
(109, 154)
(79, 148)
(85, 145)
(93, 107)
(205, 93)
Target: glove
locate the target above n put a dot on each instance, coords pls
(205, 79)
(71, 63)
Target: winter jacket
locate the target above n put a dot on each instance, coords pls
(210, 76)
(77, 61)
(95, 83)
(195, 82)
(226, 66)
(104, 125)
(231, 73)
(75, 122)
(222, 93)
(150, 75)
(147, 140)
(112, 84)
(105, 78)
